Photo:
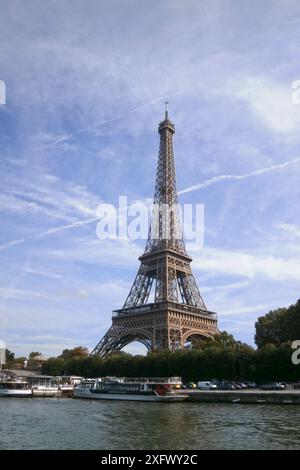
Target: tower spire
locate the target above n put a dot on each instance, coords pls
(165, 230)
(166, 110)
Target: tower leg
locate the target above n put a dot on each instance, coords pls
(106, 344)
(117, 338)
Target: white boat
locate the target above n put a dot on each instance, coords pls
(66, 390)
(15, 388)
(160, 390)
(46, 390)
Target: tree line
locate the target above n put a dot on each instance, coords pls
(219, 358)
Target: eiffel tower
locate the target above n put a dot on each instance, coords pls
(177, 311)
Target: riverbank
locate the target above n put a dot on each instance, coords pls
(283, 397)
(247, 397)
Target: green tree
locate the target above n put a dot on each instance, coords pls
(9, 355)
(223, 340)
(54, 366)
(79, 351)
(273, 363)
(34, 354)
(269, 328)
(278, 326)
(16, 362)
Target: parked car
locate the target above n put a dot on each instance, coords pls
(237, 386)
(297, 385)
(273, 386)
(242, 385)
(206, 385)
(250, 384)
(191, 385)
(226, 386)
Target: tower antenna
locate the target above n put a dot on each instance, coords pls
(166, 110)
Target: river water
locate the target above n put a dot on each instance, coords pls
(93, 424)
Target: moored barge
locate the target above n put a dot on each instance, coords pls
(15, 388)
(147, 389)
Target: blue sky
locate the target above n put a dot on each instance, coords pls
(86, 82)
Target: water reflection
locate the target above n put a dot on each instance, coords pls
(87, 424)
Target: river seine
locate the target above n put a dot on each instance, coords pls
(88, 424)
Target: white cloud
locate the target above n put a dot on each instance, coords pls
(225, 287)
(16, 204)
(238, 309)
(290, 229)
(49, 198)
(106, 252)
(23, 294)
(272, 102)
(51, 195)
(247, 265)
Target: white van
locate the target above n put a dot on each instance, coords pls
(206, 385)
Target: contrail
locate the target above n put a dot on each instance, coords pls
(66, 227)
(204, 184)
(50, 232)
(67, 137)
(217, 179)
(12, 243)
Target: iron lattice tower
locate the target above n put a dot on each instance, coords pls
(164, 306)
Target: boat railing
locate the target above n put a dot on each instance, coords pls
(166, 380)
